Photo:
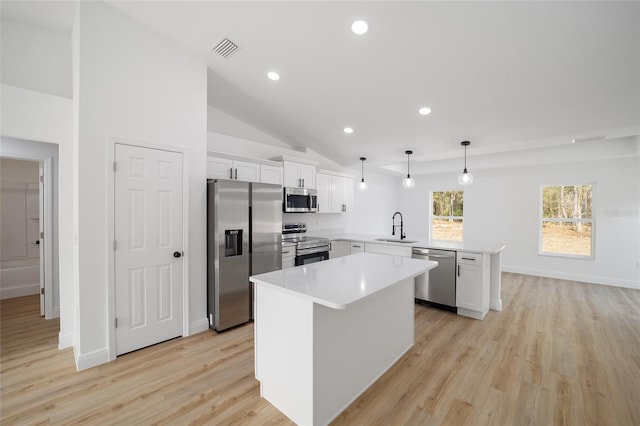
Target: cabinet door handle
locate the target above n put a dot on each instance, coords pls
(468, 258)
(231, 173)
(458, 270)
(303, 183)
(299, 182)
(356, 246)
(236, 173)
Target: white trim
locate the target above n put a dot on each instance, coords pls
(591, 221)
(593, 279)
(47, 163)
(261, 161)
(432, 217)
(111, 286)
(92, 359)
(65, 340)
(19, 291)
(199, 326)
(48, 240)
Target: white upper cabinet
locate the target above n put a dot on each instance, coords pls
(341, 194)
(335, 193)
(225, 168)
(323, 186)
(299, 175)
(243, 170)
(219, 168)
(271, 174)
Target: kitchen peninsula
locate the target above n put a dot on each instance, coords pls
(326, 331)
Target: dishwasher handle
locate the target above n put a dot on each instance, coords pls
(430, 253)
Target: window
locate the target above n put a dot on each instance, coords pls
(446, 215)
(566, 221)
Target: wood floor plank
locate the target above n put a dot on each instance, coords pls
(561, 353)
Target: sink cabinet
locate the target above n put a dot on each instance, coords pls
(387, 249)
(472, 284)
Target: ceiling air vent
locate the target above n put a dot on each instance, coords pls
(225, 48)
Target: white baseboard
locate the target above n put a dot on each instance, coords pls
(594, 279)
(91, 359)
(19, 291)
(198, 326)
(65, 340)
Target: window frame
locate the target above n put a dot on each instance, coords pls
(432, 216)
(591, 221)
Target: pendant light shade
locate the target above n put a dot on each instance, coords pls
(465, 178)
(408, 182)
(362, 186)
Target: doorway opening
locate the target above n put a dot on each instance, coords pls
(28, 223)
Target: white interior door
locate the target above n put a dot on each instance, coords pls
(148, 246)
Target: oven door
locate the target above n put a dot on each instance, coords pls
(313, 255)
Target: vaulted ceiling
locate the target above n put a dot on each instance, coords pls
(508, 76)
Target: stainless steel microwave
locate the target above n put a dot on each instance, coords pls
(300, 200)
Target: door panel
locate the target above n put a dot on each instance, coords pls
(148, 230)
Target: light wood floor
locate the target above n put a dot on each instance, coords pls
(560, 352)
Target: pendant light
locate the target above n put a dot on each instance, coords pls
(408, 182)
(362, 186)
(465, 178)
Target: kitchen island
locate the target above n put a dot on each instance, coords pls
(326, 331)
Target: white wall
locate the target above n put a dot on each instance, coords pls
(29, 115)
(131, 85)
(36, 59)
(502, 206)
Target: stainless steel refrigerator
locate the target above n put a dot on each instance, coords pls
(244, 237)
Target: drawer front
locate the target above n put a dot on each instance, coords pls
(469, 258)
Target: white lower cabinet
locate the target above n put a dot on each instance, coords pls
(387, 249)
(339, 248)
(472, 284)
(356, 247)
(288, 256)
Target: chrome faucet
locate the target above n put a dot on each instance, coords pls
(393, 229)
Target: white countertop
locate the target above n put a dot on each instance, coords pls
(471, 246)
(338, 283)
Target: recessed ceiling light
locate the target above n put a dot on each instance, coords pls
(424, 111)
(360, 27)
(348, 130)
(273, 75)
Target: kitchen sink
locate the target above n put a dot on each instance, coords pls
(395, 240)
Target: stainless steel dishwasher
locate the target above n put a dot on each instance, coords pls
(437, 287)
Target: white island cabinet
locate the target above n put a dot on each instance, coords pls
(472, 284)
(326, 331)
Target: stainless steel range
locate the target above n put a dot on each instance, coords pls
(308, 249)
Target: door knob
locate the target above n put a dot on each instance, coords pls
(177, 254)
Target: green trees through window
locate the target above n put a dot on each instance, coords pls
(447, 215)
(567, 220)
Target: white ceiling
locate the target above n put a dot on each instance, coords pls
(507, 76)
